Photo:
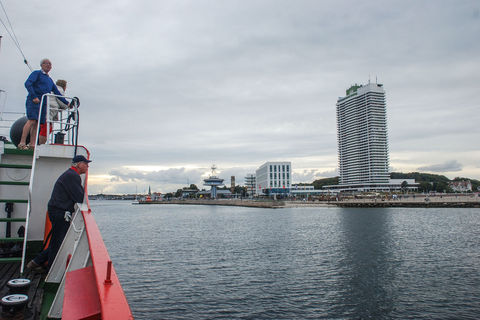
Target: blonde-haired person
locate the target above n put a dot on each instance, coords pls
(55, 104)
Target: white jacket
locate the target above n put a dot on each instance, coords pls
(56, 105)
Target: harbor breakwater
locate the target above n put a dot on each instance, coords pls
(222, 202)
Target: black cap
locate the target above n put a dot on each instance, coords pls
(80, 159)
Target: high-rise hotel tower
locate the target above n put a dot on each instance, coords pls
(362, 137)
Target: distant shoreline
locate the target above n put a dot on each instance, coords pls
(417, 202)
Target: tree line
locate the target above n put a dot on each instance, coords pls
(427, 181)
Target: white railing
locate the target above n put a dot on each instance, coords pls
(66, 122)
(73, 254)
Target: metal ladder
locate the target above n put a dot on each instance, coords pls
(14, 181)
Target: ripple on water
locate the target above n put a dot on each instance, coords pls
(189, 262)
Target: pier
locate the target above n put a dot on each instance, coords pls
(222, 202)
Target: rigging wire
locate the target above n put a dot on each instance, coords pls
(9, 23)
(13, 36)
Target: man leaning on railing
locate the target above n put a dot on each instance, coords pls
(66, 192)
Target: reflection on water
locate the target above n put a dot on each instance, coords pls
(201, 262)
(368, 262)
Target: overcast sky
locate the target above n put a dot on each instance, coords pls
(170, 87)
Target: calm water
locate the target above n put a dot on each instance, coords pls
(202, 262)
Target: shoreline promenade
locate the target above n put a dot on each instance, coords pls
(424, 201)
(420, 200)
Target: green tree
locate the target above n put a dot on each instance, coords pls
(240, 190)
(178, 194)
(427, 181)
(318, 184)
(475, 185)
(425, 186)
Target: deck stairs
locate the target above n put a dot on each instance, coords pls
(15, 170)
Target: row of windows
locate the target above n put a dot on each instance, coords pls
(273, 168)
(275, 184)
(274, 175)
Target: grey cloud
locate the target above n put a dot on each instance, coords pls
(448, 166)
(239, 83)
(169, 176)
(180, 176)
(309, 175)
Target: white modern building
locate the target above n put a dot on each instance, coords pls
(273, 178)
(250, 184)
(362, 138)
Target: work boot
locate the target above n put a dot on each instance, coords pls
(32, 264)
(35, 267)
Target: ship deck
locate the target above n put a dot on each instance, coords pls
(32, 311)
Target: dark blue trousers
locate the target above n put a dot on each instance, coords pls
(59, 230)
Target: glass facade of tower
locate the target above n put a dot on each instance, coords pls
(362, 136)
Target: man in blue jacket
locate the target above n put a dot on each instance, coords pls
(67, 191)
(37, 84)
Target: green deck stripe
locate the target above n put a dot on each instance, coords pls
(18, 151)
(15, 166)
(3, 240)
(10, 260)
(15, 183)
(50, 290)
(14, 200)
(13, 219)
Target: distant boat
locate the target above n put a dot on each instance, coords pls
(136, 196)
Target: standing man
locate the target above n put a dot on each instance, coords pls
(67, 191)
(37, 84)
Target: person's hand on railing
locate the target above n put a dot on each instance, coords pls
(75, 102)
(36, 100)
